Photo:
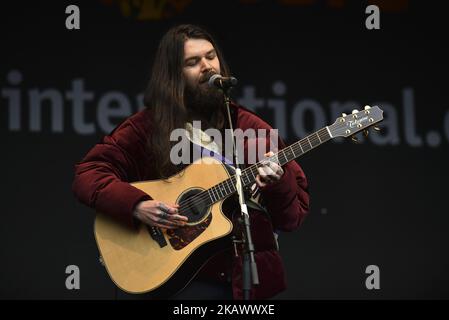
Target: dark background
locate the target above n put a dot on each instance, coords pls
(374, 203)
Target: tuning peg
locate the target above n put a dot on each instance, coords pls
(355, 139)
(344, 114)
(355, 111)
(366, 132)
(376, 128)
(367, 111)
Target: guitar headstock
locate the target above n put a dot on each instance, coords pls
(349, 125)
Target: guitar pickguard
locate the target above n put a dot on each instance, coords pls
(181, 237)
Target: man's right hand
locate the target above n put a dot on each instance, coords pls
(158, 214)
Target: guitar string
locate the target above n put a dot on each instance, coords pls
(203, 196)
(218, 191)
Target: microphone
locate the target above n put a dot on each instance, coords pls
(221, 82)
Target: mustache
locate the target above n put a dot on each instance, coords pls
(207, 76)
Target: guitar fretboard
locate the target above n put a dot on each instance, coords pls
(224, 189)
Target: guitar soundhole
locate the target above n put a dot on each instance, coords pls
(193, 207)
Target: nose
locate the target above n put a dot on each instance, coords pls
(205, 65)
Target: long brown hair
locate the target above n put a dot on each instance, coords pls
(164, 95)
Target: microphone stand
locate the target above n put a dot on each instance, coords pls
(250, 274)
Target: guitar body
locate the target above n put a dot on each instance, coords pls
(137, 263)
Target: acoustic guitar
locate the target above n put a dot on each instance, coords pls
(161, 262)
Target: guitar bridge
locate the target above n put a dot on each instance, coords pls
(157, 236)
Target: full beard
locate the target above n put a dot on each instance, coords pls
(205, 104)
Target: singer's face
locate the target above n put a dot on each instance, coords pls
(200, 59)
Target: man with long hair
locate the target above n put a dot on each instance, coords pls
(139, 149)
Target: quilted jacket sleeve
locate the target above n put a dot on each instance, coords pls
(102, 178)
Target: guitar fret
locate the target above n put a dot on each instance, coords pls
(221, 192)
(233, 180)
(252, 173)
(293, 151)
(304, 146)
(226, 185)
(293, 147)
(299, 144)
(231, 186)
(324, 134)
(311, 147)
(244, 178)
(217, 189)
(318, 136)
(283, 155)
(211, 195)
(286, 154)
(216, 194)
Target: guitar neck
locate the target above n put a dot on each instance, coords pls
(295, 150)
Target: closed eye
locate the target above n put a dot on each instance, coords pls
(210, 55)
(192, 62)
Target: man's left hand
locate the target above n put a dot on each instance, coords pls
(270, 172)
